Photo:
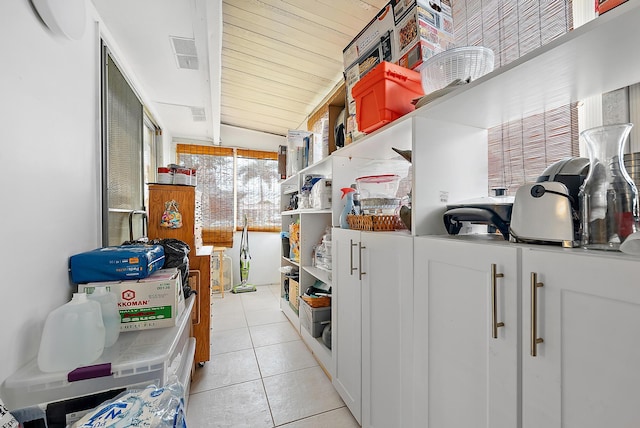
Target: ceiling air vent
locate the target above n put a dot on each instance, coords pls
(185, 52)
(198, 114)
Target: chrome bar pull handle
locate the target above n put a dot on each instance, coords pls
(361, 247)
(352, 269)
(534, 314)
(494, 298)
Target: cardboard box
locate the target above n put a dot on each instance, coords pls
(424, 29)
(374, 43)
(153, 302)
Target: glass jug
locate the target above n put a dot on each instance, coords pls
(608, 196)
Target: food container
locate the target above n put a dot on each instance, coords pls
(378, 186)
(379, 205)
(182, 176)
(165, 175)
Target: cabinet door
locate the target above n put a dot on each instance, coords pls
(464, 377)
(346, 325)
(387, 308)
(585, 373)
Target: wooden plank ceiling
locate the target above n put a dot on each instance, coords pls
(281, 58)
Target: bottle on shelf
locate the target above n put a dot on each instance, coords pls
(348, 206)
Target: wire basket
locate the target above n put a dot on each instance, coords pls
(457, 63)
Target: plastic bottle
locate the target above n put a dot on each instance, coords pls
(348, 206)
(110, 313)
(73, 336)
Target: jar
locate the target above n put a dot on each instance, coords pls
(165, 176)
(608, 196)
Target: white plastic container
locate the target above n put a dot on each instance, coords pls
(73, 336)
(378, 186)
(110, 313)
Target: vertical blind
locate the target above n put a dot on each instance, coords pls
(123, 166)
(520, 150)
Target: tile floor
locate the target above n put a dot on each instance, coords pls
(261, 374)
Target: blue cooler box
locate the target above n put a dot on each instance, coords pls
(116, 263)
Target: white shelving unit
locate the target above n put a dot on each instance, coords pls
(448, 137)
(313, 224)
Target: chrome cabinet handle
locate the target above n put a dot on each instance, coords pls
(361, 247)
(494, 298)
(351, 257)
(534, 314)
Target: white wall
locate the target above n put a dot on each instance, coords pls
(50, 171)
(264, 249)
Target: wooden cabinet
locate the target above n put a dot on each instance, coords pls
(585, 373)
(184, 197)
(466, 362)
(373, 325)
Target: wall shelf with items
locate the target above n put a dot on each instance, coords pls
(448, 141)
(313, 225)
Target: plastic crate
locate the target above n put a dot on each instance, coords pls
(137, 358)
(314, 319)
(384, 95)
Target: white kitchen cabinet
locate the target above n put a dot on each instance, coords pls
(372, 325)
(466, 333)
(586, 372)
(346, 319)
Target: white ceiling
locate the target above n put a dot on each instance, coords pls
(264, 65)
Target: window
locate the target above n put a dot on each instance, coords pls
(129, 156)
(258, 190)
(233, 182)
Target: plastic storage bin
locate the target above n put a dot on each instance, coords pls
(314, 319)
(384, 95)
(138, 358)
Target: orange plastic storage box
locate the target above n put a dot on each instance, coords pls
(384, 94)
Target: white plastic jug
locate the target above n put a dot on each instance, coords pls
(73, 335)
(110, 313)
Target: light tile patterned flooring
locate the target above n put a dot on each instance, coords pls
(261, 374)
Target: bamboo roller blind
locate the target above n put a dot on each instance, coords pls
(519, 151)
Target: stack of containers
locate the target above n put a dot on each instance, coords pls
(176, 174)
(405, 33)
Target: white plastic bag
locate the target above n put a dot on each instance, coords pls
(151, 407)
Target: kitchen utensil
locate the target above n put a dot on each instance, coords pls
(493, 211)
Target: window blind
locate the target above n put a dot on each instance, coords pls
(258, 190)
(123, 166)
(519, 151)
(215, 182)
